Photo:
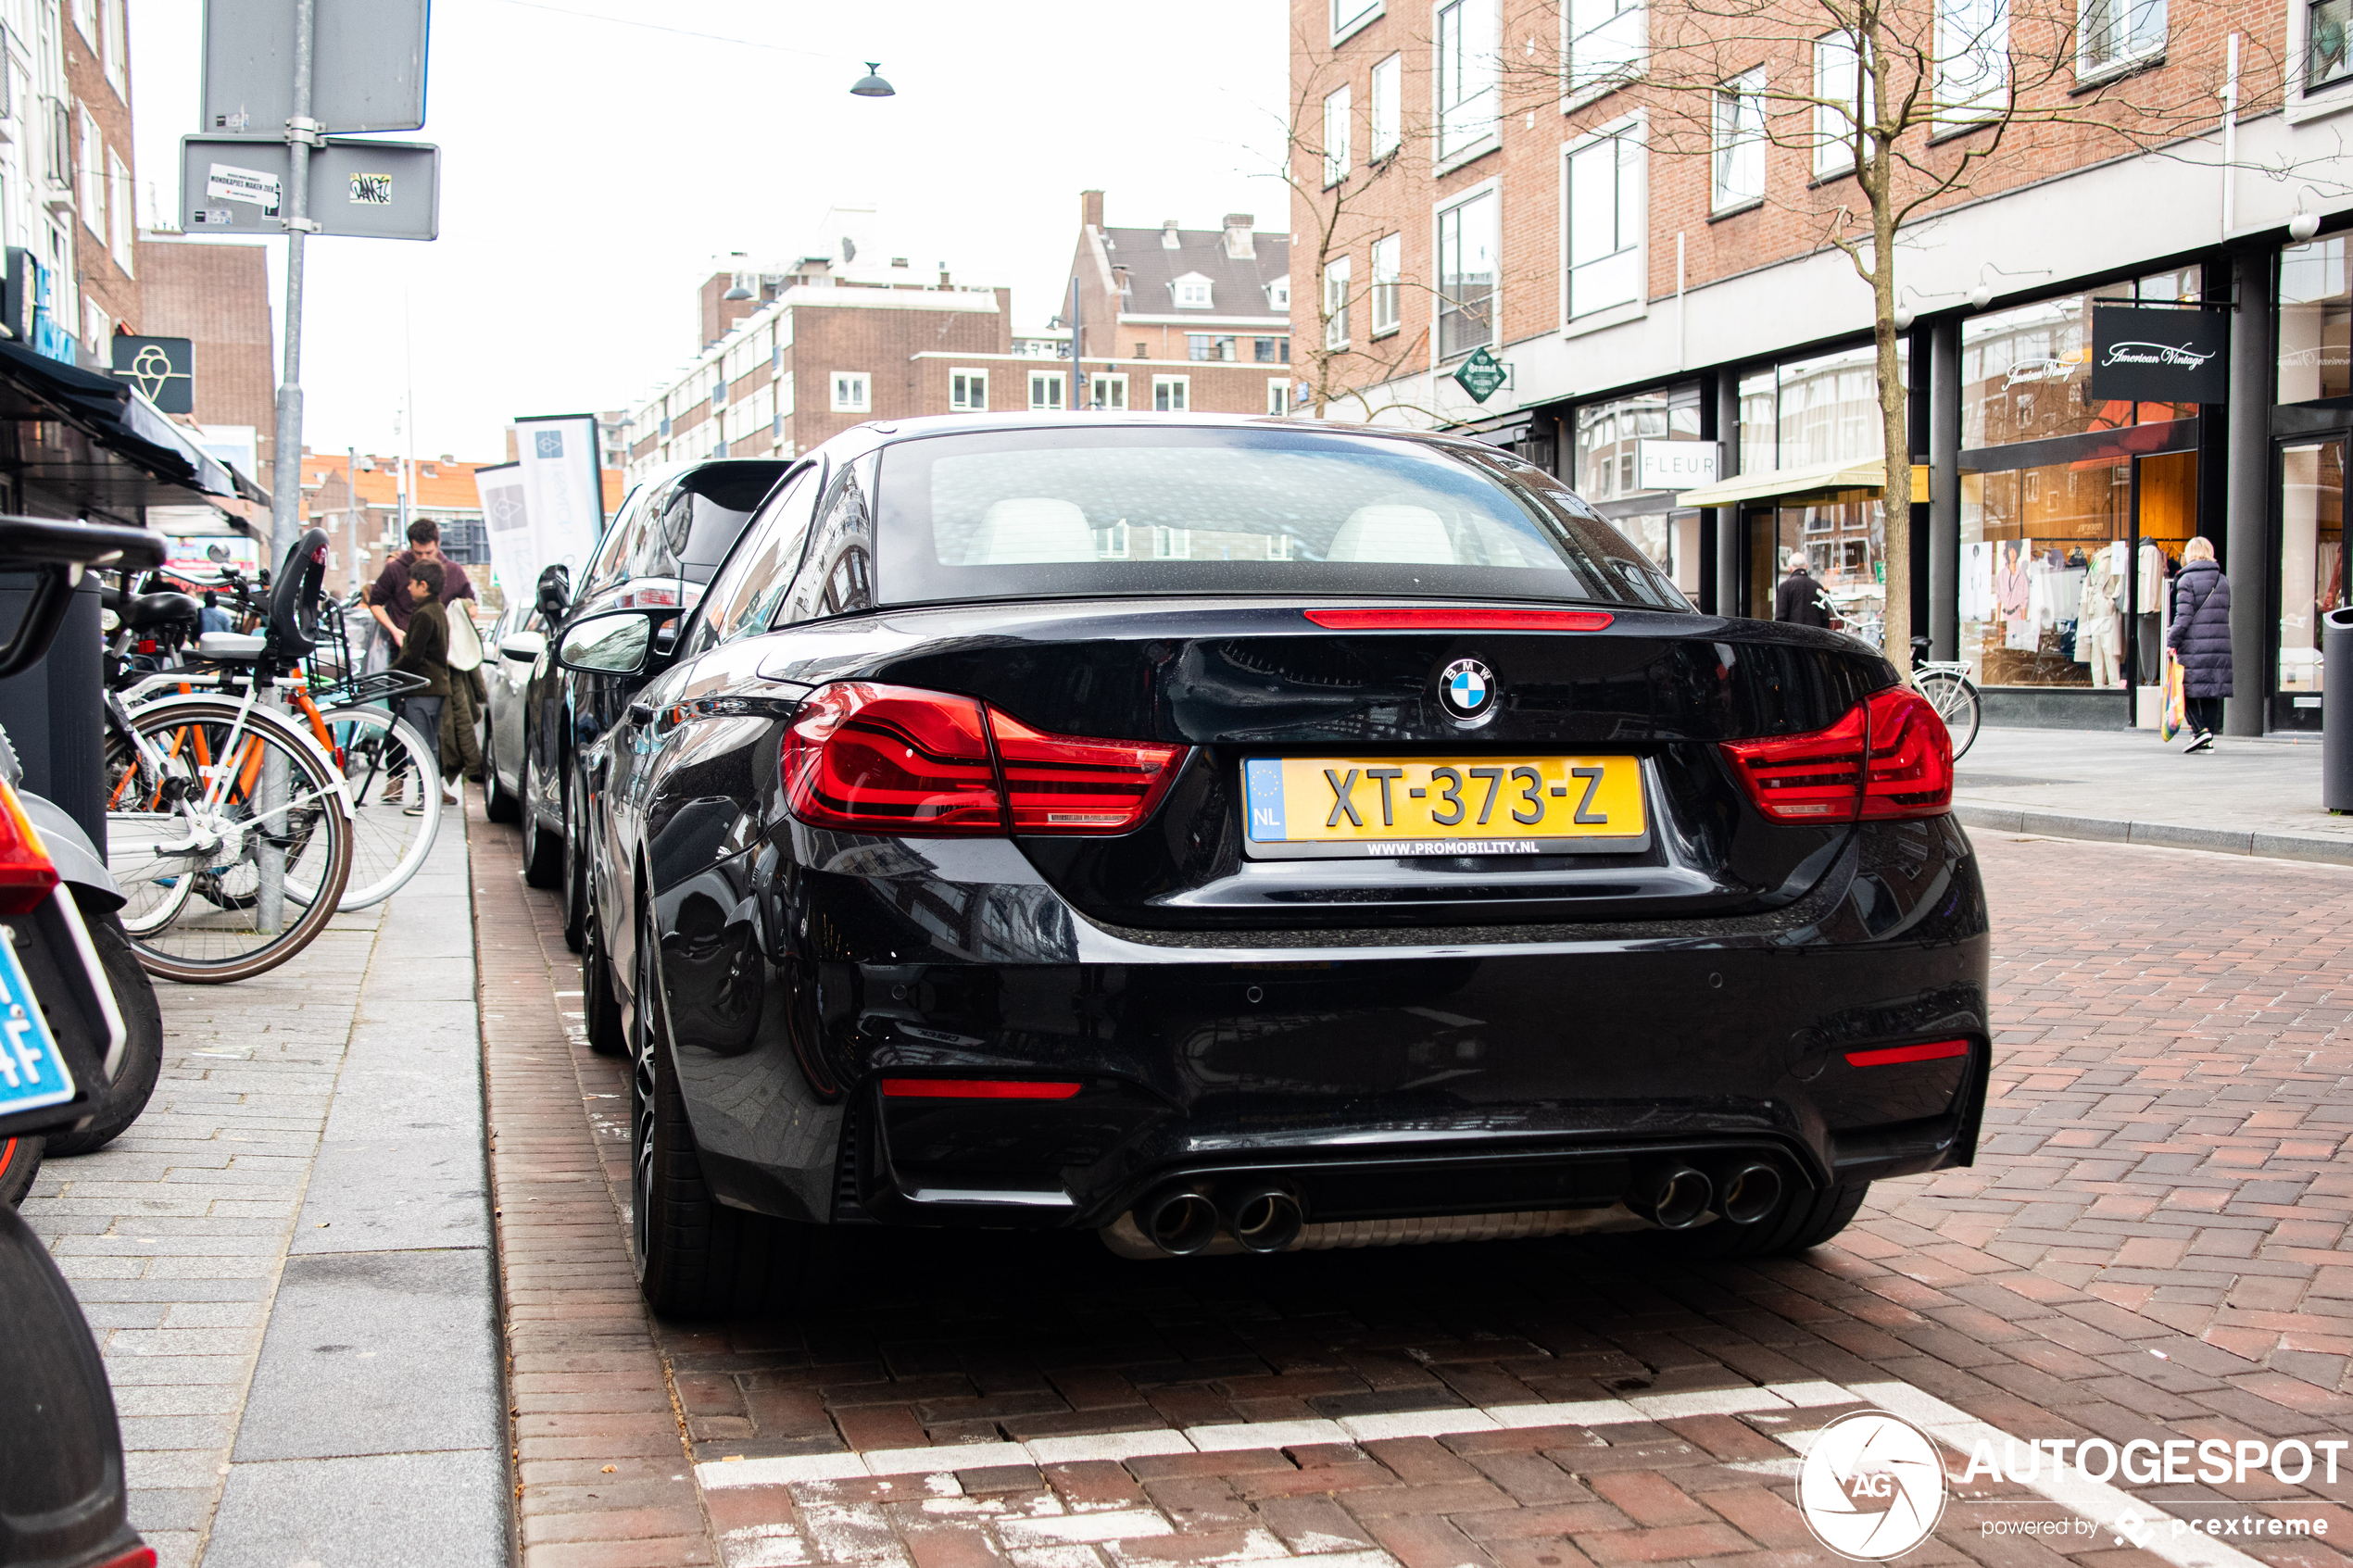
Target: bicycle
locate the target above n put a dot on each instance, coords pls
(220, 799)
(1947, 686)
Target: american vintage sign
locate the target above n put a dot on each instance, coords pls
(2159, 356)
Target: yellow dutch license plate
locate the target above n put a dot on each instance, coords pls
(1311, 807)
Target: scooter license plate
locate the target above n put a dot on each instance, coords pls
(31, 1072)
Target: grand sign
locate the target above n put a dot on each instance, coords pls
(2160, 355)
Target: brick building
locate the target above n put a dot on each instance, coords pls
(217, 296)
(1503, 177)
(1182, 319)
(97, 80)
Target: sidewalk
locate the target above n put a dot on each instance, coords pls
(2246, 797)
(287, 1259)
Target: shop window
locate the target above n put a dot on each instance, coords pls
(1736, 158)
(2316, 321)
(1604, 43)
(2312, 567)
(1609, 437)
(1465, 76)
(1606, 221)
(1468, 239)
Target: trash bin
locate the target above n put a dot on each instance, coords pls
(2337, 711)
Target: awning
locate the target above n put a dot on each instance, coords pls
(92, 443)
(1870, 475)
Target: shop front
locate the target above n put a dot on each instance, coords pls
(1622, 473)
(2311, 426)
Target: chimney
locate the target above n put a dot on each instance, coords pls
(1240, 246)
(1169, 240)
(1090, 209)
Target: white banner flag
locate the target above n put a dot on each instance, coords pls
(505, 517)
(563, 492)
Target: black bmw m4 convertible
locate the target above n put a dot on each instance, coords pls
(1234, 835)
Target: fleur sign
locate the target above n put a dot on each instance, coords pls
(2159, 354)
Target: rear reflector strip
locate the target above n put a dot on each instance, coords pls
(1937, 1051)
(974, 1089)
(1433, 620)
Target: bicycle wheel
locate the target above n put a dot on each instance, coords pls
(257, 834)
(144, 786)
(1954, 700)
(380, 756)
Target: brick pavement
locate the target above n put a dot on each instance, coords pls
(2170, 1068)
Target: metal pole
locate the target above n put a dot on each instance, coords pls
(1078, 398)
(285, 469)
(351, 510)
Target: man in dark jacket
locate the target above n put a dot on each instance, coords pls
(2200, 638)
(1798, 600)
(424, 651)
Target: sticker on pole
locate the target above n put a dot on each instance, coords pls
(1872, 1487)
(255, 187)
(372, 190)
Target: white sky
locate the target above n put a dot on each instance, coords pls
(591, 170)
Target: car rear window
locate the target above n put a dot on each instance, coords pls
(1128, 509)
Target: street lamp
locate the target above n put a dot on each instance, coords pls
(872, 85)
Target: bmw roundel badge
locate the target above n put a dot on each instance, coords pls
(1469, 690)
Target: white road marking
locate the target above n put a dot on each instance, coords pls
(2098, 1501)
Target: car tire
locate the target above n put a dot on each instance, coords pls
(542, 853)
(135, 1079)
(695, 1255)
(496, 804)
(607, 1034)
(576, 875)
(19, 1162)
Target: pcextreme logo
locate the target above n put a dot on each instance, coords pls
(1872, 1487)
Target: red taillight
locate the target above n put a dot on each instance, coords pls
(1433, 620)
(1911, 772)
(889, 759)
(1067, 783)
(654, 595)
(26, 875)
(1890, 1056)
(879, 758)
(1889, 756)
(974, 1089)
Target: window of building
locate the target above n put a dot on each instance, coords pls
(1172, 395)
(1350, 15)
(96, 326)
(123, 232)
(2316, 320)
(1107, 391)
(1465, 76)
(1605, 220)
(1278, 298)
(1737, 160)
(968, 390)
(1335, 109)
(1210, 346)
(1836, 81)
(1385, 274)
(1045, 389)
(783, 389)
(1609, 436)
(718, 390)
(93, 176)
(112, 51)
(1172, 543)
(852, 392)
(1193, 292)
(1386, 106)
(1336, 303)
(1468, 239)
(1278, 394)
(1270, 350)
(1972, 58)
(1603, 44)
(85, 21)
(1144, 351)
(2112, 35)
(2328, 44)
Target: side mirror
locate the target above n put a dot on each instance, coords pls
(523, 648)
(616, 644)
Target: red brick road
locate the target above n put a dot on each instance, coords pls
(2150, 1246)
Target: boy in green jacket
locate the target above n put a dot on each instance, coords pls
(424, 650)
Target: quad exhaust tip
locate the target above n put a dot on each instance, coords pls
(1264, 1218)
(1673, 1197)
(1746, 1194)
(1178, 1221)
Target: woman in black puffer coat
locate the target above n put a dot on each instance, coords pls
(2200, 637)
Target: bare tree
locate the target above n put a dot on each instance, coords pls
(1901, 107)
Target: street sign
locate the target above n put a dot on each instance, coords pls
(1481, 374)
(368, 67)
(163, 367)
(1674, 465)
(361, 189)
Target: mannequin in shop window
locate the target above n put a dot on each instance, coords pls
(2099, 623)
(2012, 594)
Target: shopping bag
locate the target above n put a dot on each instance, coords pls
(2177, 702)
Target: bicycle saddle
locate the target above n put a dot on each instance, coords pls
(151, 610)
(229, 645)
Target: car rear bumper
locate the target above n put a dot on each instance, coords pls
(1377, 1076)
